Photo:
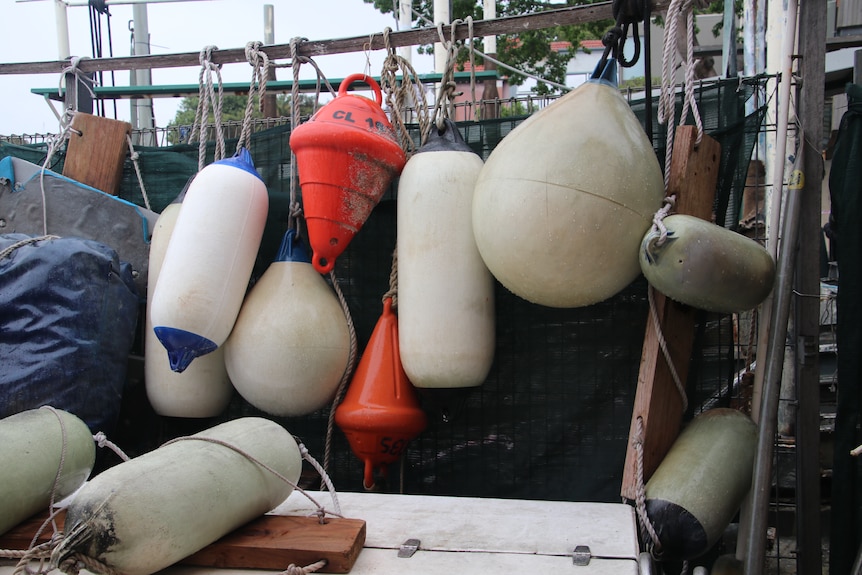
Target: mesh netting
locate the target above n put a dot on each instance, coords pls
(552, 419)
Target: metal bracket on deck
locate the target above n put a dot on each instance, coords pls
(408, 548)
(581, 555)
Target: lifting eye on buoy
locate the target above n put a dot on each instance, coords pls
(347, 154)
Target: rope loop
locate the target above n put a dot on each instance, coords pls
(402, 95)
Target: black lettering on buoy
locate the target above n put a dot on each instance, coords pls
(342, 115)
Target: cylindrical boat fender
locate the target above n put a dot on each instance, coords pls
(209, 260)
(289, 348)
(707, 266)
(563, 201)
(445, 291)
(700, 484)
(147, 513)
(37, 444)
(203, 389)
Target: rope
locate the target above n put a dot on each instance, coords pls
(25, 242)
(259, 62)
(667, 98)
(399, 95)
(392, 293)
(295, 570)
(323, 475)
(295, 209)
(348, 371)
(79, 77)
(54, 144)
(640, 496)
(443, 107)
(207, 95)
(102, 441)
(665, 352)
(135, 156)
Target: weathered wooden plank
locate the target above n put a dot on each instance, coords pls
(311, 48)
(269, 542)
(693, 178)
(276, 541)
(96, 152)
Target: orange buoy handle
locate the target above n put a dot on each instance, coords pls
(372, 83)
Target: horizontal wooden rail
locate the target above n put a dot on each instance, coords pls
(312, 48)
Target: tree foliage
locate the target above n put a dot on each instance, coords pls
(529, 51)
(233, 109)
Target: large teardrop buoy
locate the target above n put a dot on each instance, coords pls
(44, 450)
(210, 258)
(700, 484)
(347, 154)
(442, 280)
(203, 389)
(380, 413)
(290, 345)
(563, 201)
(706, 266)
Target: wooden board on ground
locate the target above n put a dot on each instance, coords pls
(693, 178)
(97, 151)
(269, 542)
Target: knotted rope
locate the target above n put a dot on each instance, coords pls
(207, 95)
(403, 94)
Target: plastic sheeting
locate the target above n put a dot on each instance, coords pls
(68, 310)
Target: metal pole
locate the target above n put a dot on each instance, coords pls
(762, 476)
(142, 109)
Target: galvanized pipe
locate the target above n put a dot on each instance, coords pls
(762, 476)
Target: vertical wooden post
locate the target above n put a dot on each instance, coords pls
(693, 178)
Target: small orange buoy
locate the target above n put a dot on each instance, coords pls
(347, 155)
(380, 413)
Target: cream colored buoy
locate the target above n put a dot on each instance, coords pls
(563, 201)
(39, 447)
(147, 513)
(706, 266)
(445, 291)
(701, 483)
(291, 342)
(209, 260)
(203, 389)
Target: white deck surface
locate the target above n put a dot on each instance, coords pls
(473, 535)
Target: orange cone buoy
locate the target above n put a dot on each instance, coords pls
(380, 413)
(347, 155)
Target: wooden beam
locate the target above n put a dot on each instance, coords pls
(312, 48)
(693, 179)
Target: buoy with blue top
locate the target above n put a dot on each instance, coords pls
(209, 260)
(290, 344)
(201, 390)
(563, 201)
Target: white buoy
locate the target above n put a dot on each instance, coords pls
(445, 291)
(290, 345)
(203, 389)
(563, 201)
(147, 513)
(39, 447)
(209, 260)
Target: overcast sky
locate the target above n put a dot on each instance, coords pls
(30, 35)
